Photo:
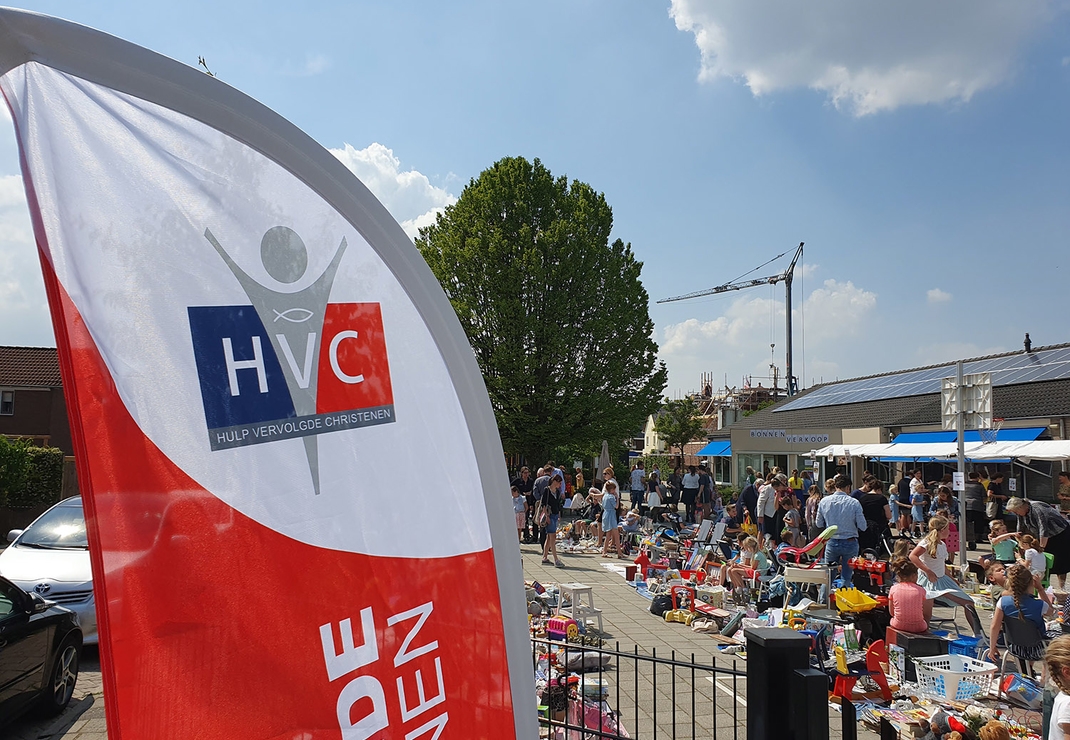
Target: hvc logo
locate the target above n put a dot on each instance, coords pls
(291, 364)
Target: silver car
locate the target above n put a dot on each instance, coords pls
(51, 558)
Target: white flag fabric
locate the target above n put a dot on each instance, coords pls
(288, 474)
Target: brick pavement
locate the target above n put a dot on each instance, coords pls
(83, 718)
(627, 619)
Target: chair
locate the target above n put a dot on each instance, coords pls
(946, 623)
(760, 582)
(1024, 635)
(1049, 560)
(809, 556)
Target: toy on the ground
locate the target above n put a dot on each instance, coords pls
(846, 678)
(678, 614)
(875, 569)
(562, 628)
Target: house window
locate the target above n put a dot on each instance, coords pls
(7, 403)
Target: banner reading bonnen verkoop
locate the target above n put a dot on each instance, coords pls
(292, 477)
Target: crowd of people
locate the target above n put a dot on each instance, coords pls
(539, 499)
(782, 509)
(913, 523)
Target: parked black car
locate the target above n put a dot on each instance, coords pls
(40, 645)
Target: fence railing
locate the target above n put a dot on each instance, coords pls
(620, 694)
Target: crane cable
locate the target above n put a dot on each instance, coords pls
(735, 280)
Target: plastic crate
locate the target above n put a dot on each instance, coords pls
(853, 600)
(955, 677)
(971, 647)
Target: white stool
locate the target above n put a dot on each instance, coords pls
(818, 574)
(581, 603)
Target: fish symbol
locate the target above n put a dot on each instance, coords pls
(300, 315)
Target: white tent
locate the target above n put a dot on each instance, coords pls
(909, 451)
(1036, 450)
(1043, 449)
(861, 450)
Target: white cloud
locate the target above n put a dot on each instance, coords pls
(836, 311)
(314, 63)
(409, 196)
(866, 57)
(938, 296)
(737, 343)
(22, 289)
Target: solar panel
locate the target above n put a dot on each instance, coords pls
(1022, 367)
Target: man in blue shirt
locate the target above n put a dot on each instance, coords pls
(845, 513)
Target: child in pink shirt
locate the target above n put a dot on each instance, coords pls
(909, 608)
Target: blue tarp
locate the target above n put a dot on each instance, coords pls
(716, 448)
(1025, 434)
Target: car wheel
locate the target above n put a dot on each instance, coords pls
(62, 678)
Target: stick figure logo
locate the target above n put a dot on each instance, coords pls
(290, 364)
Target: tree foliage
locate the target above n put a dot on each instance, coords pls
(678, 423)
(555, 313)
(29, 475)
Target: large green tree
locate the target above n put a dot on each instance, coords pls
(555, 313)
(679, 423)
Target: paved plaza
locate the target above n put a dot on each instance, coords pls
(626, 619)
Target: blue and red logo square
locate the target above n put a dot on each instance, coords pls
(260, 386)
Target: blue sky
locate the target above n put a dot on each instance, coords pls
(920, 150)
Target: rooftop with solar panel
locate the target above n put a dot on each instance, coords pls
(879, 422)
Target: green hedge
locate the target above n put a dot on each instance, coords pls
(29, 475)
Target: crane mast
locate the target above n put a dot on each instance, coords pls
(785, 277)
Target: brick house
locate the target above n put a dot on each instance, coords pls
(31, 397)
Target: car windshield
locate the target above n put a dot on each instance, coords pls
(60, 528)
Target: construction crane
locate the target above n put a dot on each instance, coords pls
(785, 277)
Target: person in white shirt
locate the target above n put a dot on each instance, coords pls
(767, 507)
(917, 485)
(1057, 657)
(931, 558)
(1033, 558)
(689, 495)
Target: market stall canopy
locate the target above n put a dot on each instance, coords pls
(862, 450)
(716, 448)
(1023, 434)
(975, 451)
(942, 445)
(1044, 449)
(925, 452)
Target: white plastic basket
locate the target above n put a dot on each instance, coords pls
(956, 677)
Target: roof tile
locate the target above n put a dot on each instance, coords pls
(29, 366)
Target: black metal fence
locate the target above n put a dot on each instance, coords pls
(597, 692)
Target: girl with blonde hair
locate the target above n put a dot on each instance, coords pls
(1057, 659)
(931, 558)
(752, 561)
(1032, 557)
(610, 501)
